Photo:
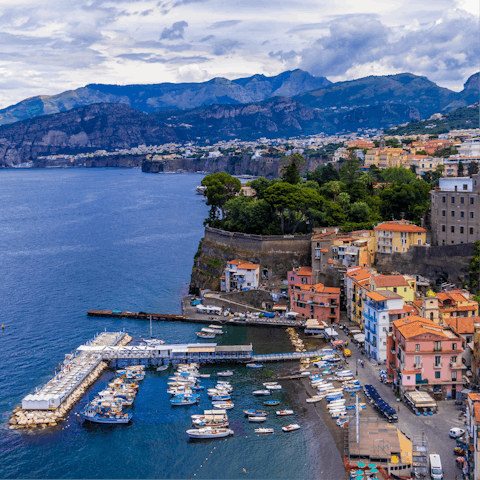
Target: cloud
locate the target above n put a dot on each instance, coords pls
(206, 39)
(175, 32)
(154, 58)
(225, 47)
(225, 24)
(192, 73)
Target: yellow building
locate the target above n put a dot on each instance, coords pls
(424, 163)
(403, 285)
(398, 236)
(357, 285)
(371, 157)
(392, 157)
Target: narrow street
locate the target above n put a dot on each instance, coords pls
(435, 427)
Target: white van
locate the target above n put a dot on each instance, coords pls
(436, 471)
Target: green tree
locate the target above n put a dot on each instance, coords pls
(472, 168)
(413, 168)
(260, 185)
(358, 212)
(335, 215)
(324, 174)
(460, 169)
(343, 198)
(350, 171)
(331, 189)
(291, 168)
(376, 173)
(411, 201)
(398, 175)
(221, 187)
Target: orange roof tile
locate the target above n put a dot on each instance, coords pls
(376, 296)
(410, 309)
(324, 250)
(461, 324)
(248, 266)
(330, 260)
(304, 271)
(476, 407)
(413, 326)
(475, 397)
(390, 281)
(332, 290)
(395, 227)
(235, 262)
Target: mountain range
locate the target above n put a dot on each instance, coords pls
(286, 105)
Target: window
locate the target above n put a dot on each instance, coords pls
(408, 377)
(471, 214)
(438, 361)
(453, 213)
(462, 214)
(452, 229)
(395, 289)
(453, 199)
(471, 200)
(419, 242)
(461, 229)
(437, 375)
(465, 186)
(438, 345)
(471, 230)
(443, 228)
(462, 199)
(454, 359)
(291, 279)
(443, 213)
(454, 346)
(454, 376)
(417, 349)
(444, 199)
(405, 289)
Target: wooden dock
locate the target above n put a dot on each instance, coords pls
(134, 315)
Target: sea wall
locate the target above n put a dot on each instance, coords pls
(444, 262)
(276, 254)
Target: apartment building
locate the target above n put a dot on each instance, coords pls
(316, 301)
(398, 236)
(424, 163)
(385, 158)
(403, 285)
(240, 275)
(380, 310)
(472, 426)
(422, 354)
(455, 211)
(357, 285)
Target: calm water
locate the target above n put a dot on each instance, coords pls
(74, 240)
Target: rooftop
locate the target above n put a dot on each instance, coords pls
(389, 281)
(400, 226)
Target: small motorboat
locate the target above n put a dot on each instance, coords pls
(221, 398)
(198, 387)
(181, 402)
(257, 419)
(271, 403)
(254, 365)
(204, 375)
(223, 406)
(264, 430)
(273, 387)
(253, 413)
(269, 383)
(291, 428)
(284, 413)
(204, 335)
(261, 392)
(162, 368)
(315, 398)
(210, 330)
(209, 432)
(226, 373)
(217, 327)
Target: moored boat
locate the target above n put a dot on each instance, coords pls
(180, 402)
(224, 406)
(204, 335)
(273, 387)
(264, 430)
(271, 403)
(261, 392)
(162, 368)
(254, 365)
(99, 414)
(210, 330)
(284, 413)
(291, 428)
(226, 373)
(257, 419)
(315, 398)
(209, 432)
(253, 413)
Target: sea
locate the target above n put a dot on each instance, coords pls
(72, 240)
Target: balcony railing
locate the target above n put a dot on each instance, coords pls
(417, 366)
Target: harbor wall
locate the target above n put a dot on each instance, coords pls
(443, 262)
(276, 255)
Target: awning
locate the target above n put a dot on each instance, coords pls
(279, 308)
(331, 332)
(291, 314)
(359, 337)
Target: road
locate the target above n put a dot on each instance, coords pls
(435, 426)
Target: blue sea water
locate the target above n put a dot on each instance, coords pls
(79, 239)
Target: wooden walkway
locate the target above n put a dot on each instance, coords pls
(271, 357)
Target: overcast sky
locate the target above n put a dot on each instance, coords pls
(56, 45)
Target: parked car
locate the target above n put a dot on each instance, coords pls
(456, 432)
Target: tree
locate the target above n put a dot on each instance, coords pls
(376, 173)
(291, 168)
(358, 212)
(343, 199)
(460, 169)
(260, 185)
(221, 187)
(413, 169)
(331, 189)
(398, 175)
(350, 171)
(472, 168)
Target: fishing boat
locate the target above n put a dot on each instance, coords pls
(274, 387)
(254, 365)
(209, 432)
(162, 368)
(226, 373)
(257, 419)
(221, 398)
(284, 413)
(210, 330)
(204, 335)
(198, 387)
(99, 414)
(253, 413)
(217, 327)
(315, 398)
(264, 430)
(204, 375)
(223, 406)
(291, 428)
(261, 392)
(180, 402)
(271, 403)
(269, 383)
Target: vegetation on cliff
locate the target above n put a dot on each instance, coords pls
(347, 198)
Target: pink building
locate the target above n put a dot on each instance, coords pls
(424, 354)
(316, 301)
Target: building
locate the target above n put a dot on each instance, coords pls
(240, 275)
(454, 304)
(299, 276)
(316, 301)
(357, 285)
(403, 285)
(424, 163)
(398, 236)
(470, 148)
(455, 211)
(380, 309)
(472, 427)
(422, 354)
(452, 165)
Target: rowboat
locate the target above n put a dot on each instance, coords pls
(253, 413)
(273, 387)
(226, 373)
(315, 398)
(254, 365)
(261, 392)
(264, 430)
(204, 335)
(285, 413)
(223, 406)
(221, 398)
(271, 403)
(291, 428)
(178, 402)
(257, 419)
(209, 432)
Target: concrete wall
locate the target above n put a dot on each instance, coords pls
(451, 262)
(256, 298)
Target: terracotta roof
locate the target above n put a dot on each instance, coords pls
(461, 324)
(332, 290)
(474, 397)
(318, 288)
(476, 407)
(413, 326)
(304, 271)
(410, 309)
(375, 296)
(396, 227)
(389, 281)
(235, 262)
(399, 311)
(248, 266)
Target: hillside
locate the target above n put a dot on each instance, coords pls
(461, 118)
(150, 98)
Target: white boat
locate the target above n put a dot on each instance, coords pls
(223, 406)
(305, 374)
(227, 373)
(218, 327)
(254, 365)
(315, 398)
(274, 387)
(261, 392)
(204, 335)
(204, 375)
(291, 428)
(162, 368)
(269, 383)
(257, 419)
(264, 430)
(210, 330)
(209, 432)
(200, 190)
(284, 413)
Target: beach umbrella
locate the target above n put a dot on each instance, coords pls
(359, 472)
(359, 477)
(372, 465)
(361, 465)
(373, 470)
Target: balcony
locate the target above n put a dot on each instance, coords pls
(455, 365)
(438, 366)
(421, 382)
(417, 366)
(379, 307)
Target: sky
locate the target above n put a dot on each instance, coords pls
(52, 46)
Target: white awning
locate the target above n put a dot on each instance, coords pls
(359, 337)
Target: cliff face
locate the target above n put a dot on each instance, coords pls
(86, 129)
